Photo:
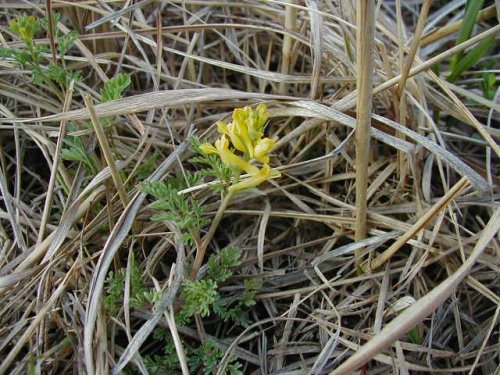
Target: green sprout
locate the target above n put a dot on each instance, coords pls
(186, 212)
(31, 56)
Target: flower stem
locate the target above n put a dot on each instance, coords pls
(200, 254)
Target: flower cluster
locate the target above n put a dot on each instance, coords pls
(245, 134)
(26, 27)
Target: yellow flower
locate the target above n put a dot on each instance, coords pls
(25, 26)
(265, 173)
(238, 137)
(227, 156)
(245, 134)
(262, 149)
(207, 148)
(262, 115)
(13, 25)
(240, 129)
(253, 120)
(25, 36)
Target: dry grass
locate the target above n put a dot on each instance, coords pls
(332, 283)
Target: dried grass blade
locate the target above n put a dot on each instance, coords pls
(442, 32)
(414, 44)
(55, 165)
(349, 101)
(262, 234)
(10, 210)
(419, 225)
(422, 308)
(106, 150)
(165, 303)
(290, 24)
(152, 100)
(317, 46)
(458, 165)
(42, 314)
(116, 237)
(365, 34)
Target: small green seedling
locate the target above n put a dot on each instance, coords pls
(207, 357)
(140, 295)
(185, 211)
(32, 55)
(202, 297)
(75, 149)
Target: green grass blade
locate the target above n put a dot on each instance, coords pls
(471, 10)
(471, 58)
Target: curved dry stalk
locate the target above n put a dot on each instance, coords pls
(55, 165)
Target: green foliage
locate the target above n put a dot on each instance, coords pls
(64, 42)
(472, 8)
(349, 49)
(31, 58)
(217, 168)
(179, 208)
(489, 85)
(202, 297)
(461, 61)
(76, 151)
(471, 58)
(236, 308)
(60, 75)
(205, 358)
(147, 167)
(219, 268)
(115, 290)
(114, 88)
(31, 55)
(251, 288)
(198, 297)
(208, 356)
(139, 294)
(166, 363)
(414, 336)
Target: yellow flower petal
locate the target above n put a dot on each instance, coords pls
(207, 148)
(228, 130)
(262, 115)
(255, 120)
(263, 159)
(222, 127)
(241, 131)
(256, 179)
(25, 35)
(239, 115)
(263, 147)
(236, 140)
(231, 159)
